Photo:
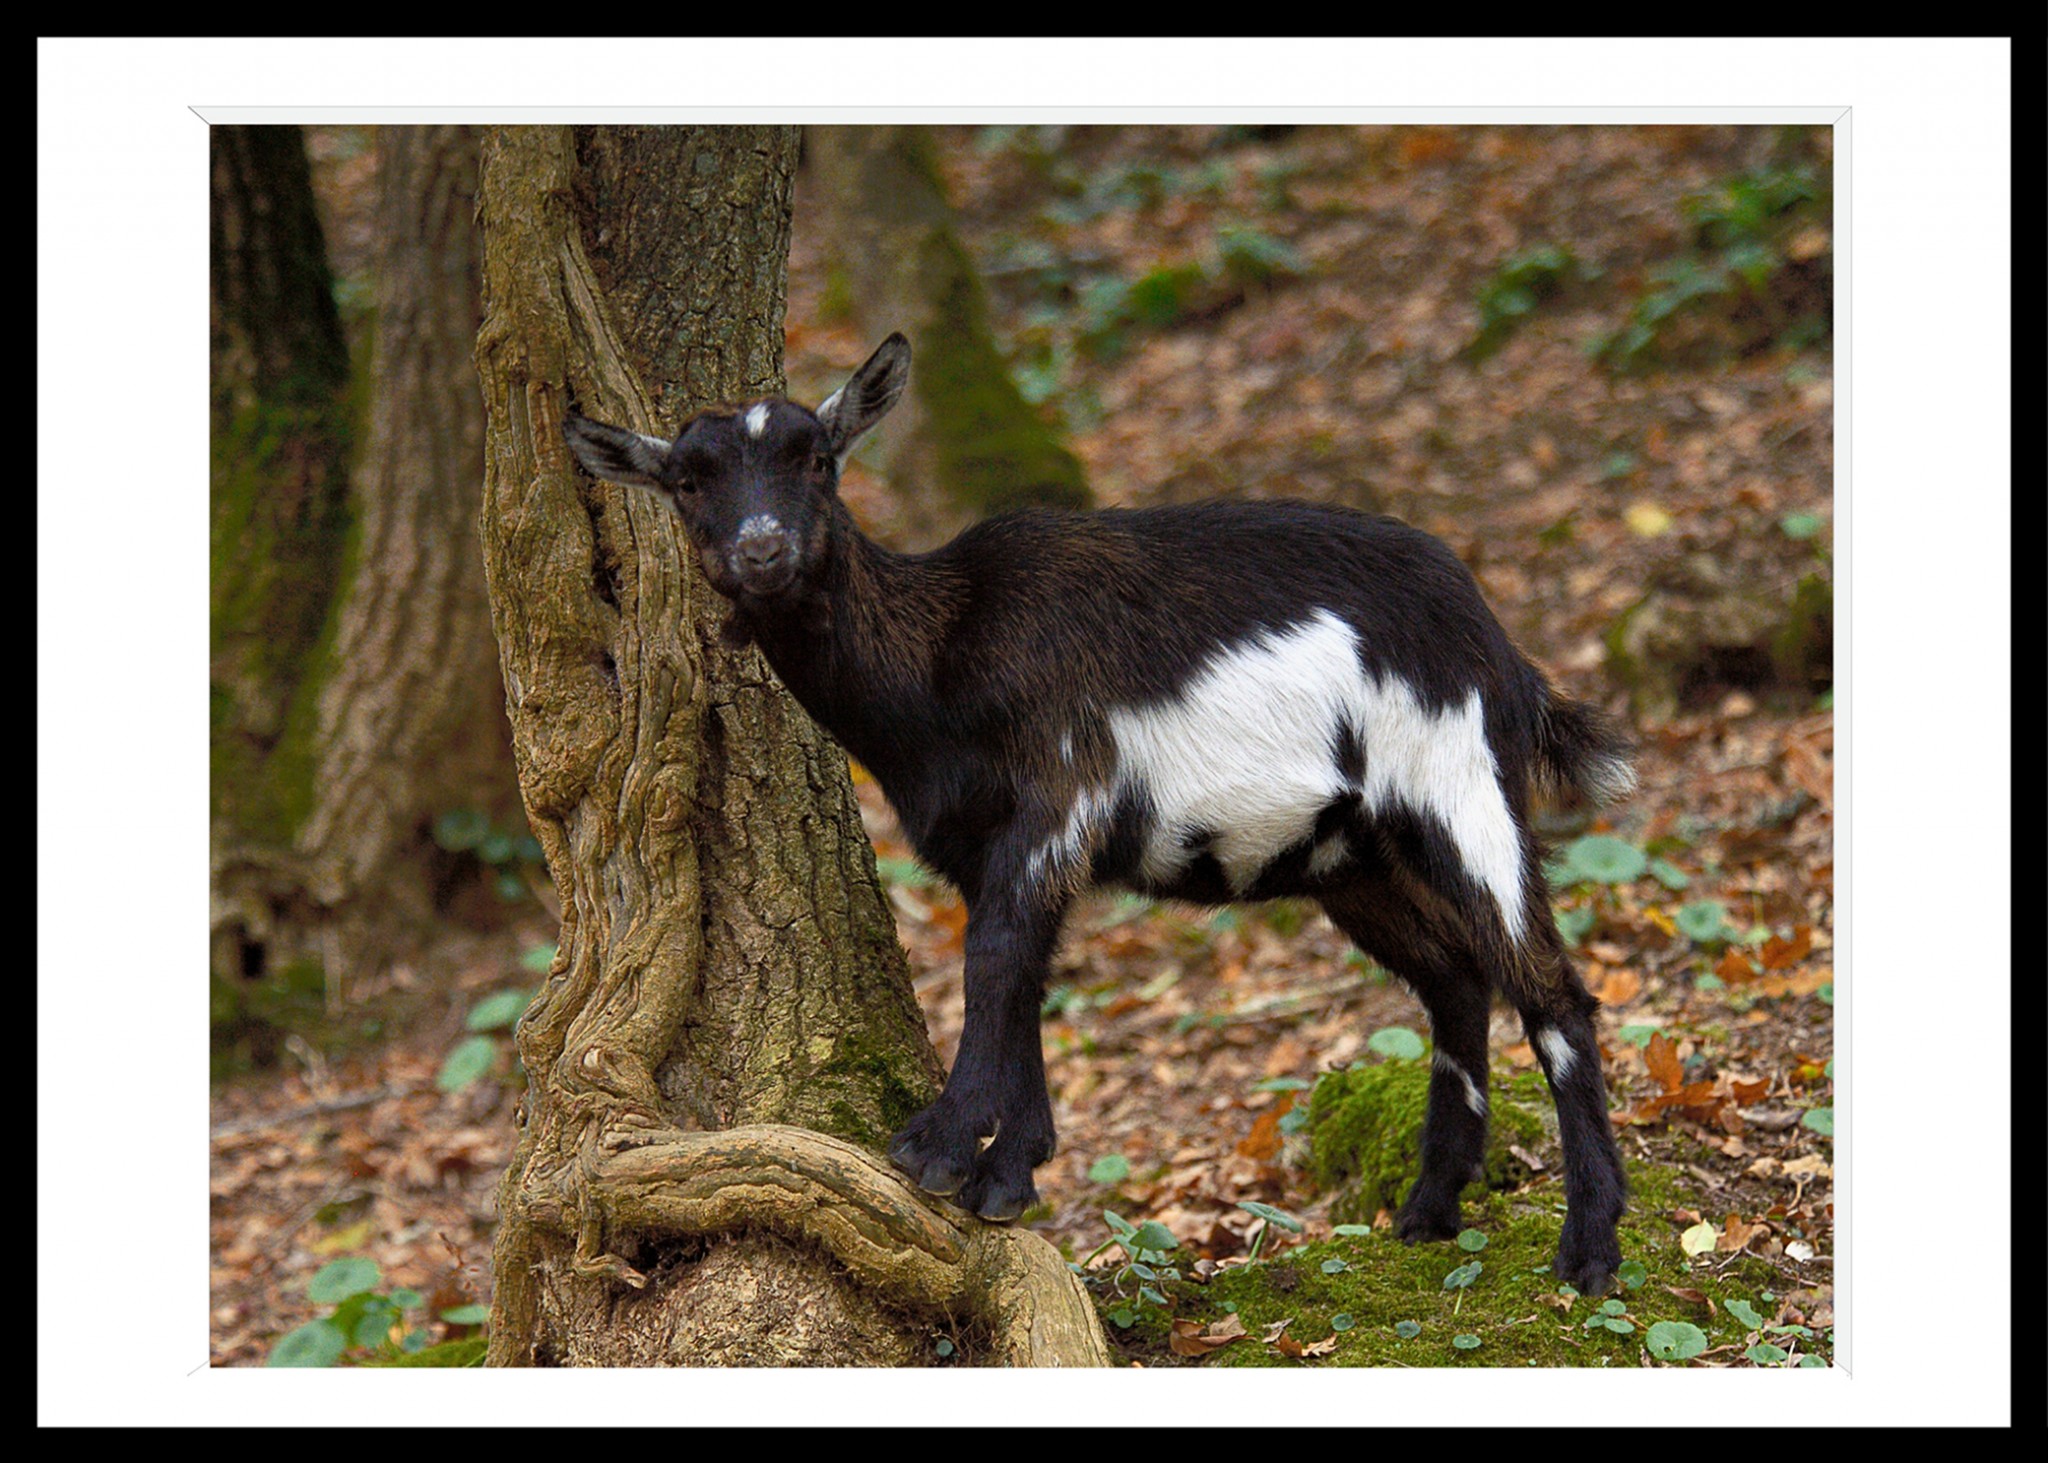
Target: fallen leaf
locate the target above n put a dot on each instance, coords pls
(1190, 1338)
(1699, 1240)
(1263, 1142)
(1734, 968)
(1620, 987)
(1779, 953)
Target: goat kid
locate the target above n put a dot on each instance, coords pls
(1218, 702)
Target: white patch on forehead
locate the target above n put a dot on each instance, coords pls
(1245, 754)
(760, 526)
(757, 419)
(1474, 1098)
(1556, 1047)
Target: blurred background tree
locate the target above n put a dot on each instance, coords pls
(964, 442)
(361, 755)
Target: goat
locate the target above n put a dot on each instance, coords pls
(1217, 702)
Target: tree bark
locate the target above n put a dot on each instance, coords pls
(383, 693)
(411, 718)
(964, 442)
(280, 525)
(727, 1035)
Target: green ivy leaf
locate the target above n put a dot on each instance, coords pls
(1744, 1312)
(1765, 1354)
(337, 1280)
(1152, 1235)
(1342, 1321)
(1820, 1119)
(537, 959)
(1462, 1277)
(1703, 921)
(1471, 1241)
(1676, 1340)
(1633, 1274)
(1407, 1330)
(1465, 1341)
(499, 1010)
(1670, 875)
(314, 1344)
(1605, 859)
(468, 1060)
(1111, 1168)
(1398, 1042)
(1271, 1215)
(469, 1315)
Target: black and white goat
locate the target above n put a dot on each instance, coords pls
(1219, 702)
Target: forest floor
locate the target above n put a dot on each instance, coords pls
(1289, 312)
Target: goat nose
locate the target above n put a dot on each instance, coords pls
(763, 552)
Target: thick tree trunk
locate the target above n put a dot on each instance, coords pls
(727, 990)
(411, 715)
(280, 526)
(356, 686)
(964, 442)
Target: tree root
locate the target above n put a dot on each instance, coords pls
(811, 1187)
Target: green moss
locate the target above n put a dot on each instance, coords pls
(871, 1098)
(1514, 1307)
(285, 541)
(1365, 1133)
(993, 451)
(1803, 648)
(468, 1351)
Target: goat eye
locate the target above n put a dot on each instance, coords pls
(822, 464)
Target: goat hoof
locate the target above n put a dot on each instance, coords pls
(1587, 1267)
(999, 1199)
(1421, 1220)
(929, 1163)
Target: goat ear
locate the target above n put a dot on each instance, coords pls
(615, 454)
(867, 396)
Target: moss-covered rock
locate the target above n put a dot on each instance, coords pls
(1703, 627)
(1365, 1133)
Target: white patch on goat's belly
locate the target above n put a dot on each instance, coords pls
(1244, 755)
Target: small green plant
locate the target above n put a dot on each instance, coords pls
(1758, 273)
(1149, 1250)
(365, 1324)
(1517, 287)
(1267, 1216)
(489, 1021)
(508, 854)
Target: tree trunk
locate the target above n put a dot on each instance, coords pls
(727, 1035)
(356, 688)
(411, 715)
(964, 442)
(280, 525)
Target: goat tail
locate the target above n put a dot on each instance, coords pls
(1581, 755)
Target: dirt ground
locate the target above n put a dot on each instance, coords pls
(1340, 373)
